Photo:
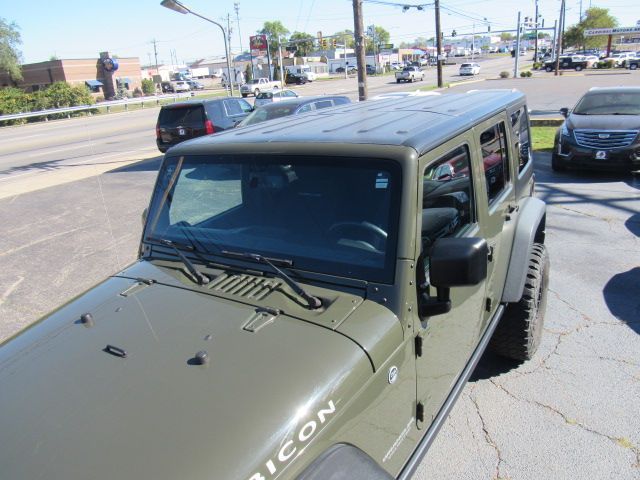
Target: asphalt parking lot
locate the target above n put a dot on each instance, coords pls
(570, 413)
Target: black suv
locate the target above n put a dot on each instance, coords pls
(576, 63)
(601, 132)
(182, 121)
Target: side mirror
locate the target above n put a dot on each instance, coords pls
(564, 111)
(453, 262)
(144, 216)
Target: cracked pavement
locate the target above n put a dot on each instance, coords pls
(572, 411)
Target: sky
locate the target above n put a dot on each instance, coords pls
(82, 29)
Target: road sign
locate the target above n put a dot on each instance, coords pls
(611, 31)
(386, 46)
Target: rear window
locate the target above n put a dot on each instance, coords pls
(265, 95)
(465, 65)
(187, 115)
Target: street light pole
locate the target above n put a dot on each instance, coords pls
(176, 6)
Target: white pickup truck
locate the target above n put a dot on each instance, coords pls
(257, 85)
(409, 74)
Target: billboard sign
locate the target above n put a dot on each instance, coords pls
(258, 45)
(611, 31)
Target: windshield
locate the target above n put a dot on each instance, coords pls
(269, 112)
(334, 216)
(609, 103)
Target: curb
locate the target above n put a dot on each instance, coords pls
(545, 122)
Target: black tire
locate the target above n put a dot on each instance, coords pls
(518, 334)
(578, 68)
(245, 95)
(557, 165)
(256, 92)
(397, 80)
(548, 69)
(633, 66)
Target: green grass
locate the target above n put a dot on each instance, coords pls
(432, 87)
(543, 138)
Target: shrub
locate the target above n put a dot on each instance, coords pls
(537, 65)
(148, 87)
(248, 73)
(605, 64)
(137, 92)
(504, 74)
(13, 100)
(122, 94)
(525, 74)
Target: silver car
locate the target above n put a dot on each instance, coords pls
(274, 96)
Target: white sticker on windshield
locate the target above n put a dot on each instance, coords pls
(382, 180)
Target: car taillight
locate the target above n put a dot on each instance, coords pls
(157, 132)
(209, 127)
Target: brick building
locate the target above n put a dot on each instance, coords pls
(85, 71)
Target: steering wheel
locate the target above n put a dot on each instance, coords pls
(363, 234)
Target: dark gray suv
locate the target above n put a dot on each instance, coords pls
(182, 121)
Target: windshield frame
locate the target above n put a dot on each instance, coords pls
(322, 266)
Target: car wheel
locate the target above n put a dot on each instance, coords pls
(633, 66)
(548, 69)
(557, 165)
(256, 92)
(518, 334)
(397, 80)
(276, 87)
(245, 95)
(578, 68)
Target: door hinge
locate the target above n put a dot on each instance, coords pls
(418, 342)
(420, 412)
(490, 253)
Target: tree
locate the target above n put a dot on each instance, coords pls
(506, 37)
(10, 56)
(595, 17)
(380, 36)
(148, 87)
(303, 42)
(274, 32)
(248, 73)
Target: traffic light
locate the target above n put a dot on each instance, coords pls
(323, 43)
(334, 43)
(454, 33)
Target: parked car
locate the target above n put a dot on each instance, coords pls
(181, 86)
(195, 85)
(633, 64)
(295, 78)
(409, 74)
(350, 69)
(601, 132)
(167, 87)
(178, 122)
(620, 59)
(371, 70)
(577, 63)
(307, 302)
(274, 96)
(296, 106)
(469, 69)
(257, 85)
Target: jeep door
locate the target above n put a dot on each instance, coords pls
(496, 203)
(445, 342)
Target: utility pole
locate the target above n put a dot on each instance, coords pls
(535, 52)
(560, 32)
(346, 75)
(439, 42)
(155, 53)
(555, 39)
(360, 58)
(517, 53)
(236, 6)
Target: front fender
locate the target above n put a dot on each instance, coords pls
(531, 220)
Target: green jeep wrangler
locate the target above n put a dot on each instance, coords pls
(311, 296)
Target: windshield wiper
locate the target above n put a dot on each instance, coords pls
(200, 277)
(312, 302)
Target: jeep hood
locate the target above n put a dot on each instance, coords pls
(76, 406)
(604, 122)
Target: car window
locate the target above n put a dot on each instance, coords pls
(184, 116)
(447, 200)
(609, 103)
(464, 65)
(495, 158)
(341, 101)
(520, 129)
(323, 104)
(290, 93)
(245, 106)
(233, 107)
(262, 95)
(305, 108)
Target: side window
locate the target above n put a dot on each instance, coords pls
(233, 107)
(245, 106)
(520, 127)
(305, 108)
(323, 104)
(495, 158)
(447, 199)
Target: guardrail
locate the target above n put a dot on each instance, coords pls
(107, 105)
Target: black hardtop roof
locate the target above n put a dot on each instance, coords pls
(195, 102)
(421, 123)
